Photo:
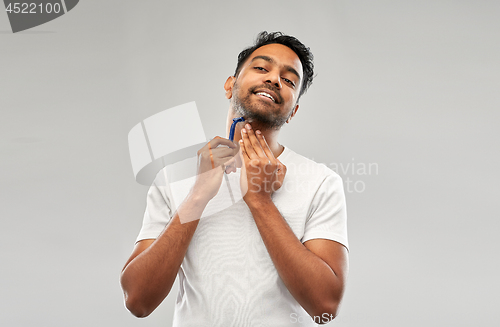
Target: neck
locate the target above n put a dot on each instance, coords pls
(271, 135)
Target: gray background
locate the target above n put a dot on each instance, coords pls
(412, 86)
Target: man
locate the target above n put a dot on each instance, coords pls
(276, 258)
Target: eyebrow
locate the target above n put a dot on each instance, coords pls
(271, 60)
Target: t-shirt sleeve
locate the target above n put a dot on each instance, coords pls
(158, 210)
(327, 218)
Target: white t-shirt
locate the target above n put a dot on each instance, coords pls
(227, 277)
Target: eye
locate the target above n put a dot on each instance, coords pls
(260, 68)
(289, 81)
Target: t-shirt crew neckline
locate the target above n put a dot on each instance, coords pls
(283, 153)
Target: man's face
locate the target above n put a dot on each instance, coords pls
(268, 86)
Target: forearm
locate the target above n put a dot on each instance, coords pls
(309, 279)
(148, 278)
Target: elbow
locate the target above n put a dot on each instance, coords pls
(132, 298)
(136, 307)
(325, 313)
(139, 301)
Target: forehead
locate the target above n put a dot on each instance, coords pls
(281, 55)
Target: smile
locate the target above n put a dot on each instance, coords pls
(267, 95)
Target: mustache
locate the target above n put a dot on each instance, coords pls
(272, 88)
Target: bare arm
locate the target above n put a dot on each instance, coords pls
(314, 272)
(150, 271)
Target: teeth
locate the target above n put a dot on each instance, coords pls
(266, 95)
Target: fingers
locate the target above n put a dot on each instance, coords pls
(216, 141)
(230, 166)
(244, 154)
(219, 142)
(251, 143)
(247, 148)
(265, 146)
(226, 158)
(223, 152)
(211, 156)
(218, 151)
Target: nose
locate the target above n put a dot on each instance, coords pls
(273, 77)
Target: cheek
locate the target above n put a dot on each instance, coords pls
(292, 98)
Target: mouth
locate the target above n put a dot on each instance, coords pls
(267, 95)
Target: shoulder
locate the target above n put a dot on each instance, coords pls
(300, 165)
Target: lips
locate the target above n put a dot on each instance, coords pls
(267, 95)
(265, 92)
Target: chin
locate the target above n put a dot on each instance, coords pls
(255, 110)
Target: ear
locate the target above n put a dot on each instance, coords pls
(294, 111)
(228, 86)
